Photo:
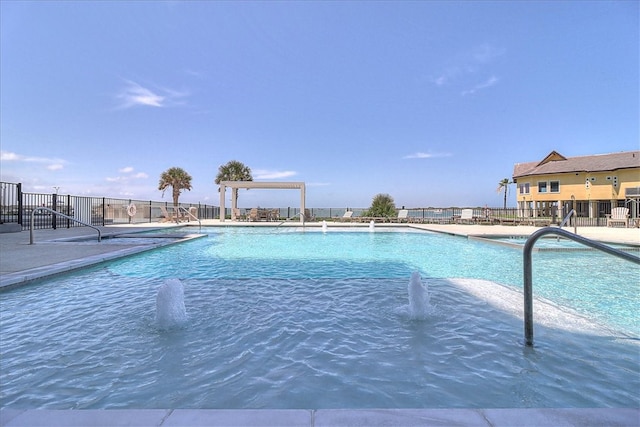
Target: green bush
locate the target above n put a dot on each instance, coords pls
(382, 206)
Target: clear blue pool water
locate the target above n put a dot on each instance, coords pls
(285, 319)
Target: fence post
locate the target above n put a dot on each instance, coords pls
(20, 203)
(68, 212)
(54, 206)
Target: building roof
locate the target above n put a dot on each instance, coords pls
(557, 163)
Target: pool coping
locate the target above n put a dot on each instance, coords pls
(496, 417)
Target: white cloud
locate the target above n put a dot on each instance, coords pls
(8, 156)
(133, 94)
(127, 175)
(468, 63)
(492, 81)
(420, 155)
(52, 164)
(486, 53)
(269, 174)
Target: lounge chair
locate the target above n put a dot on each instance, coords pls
(253, 214)
(237, 215)
(308, 216)
(403, 216)
(466, 216)
(618, 215)
(348, 216)
(168, 217)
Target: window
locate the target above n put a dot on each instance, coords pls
(542, 187)
(523, 188)
(555, 186)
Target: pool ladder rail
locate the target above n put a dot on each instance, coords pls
(567, 218)
(190, 215)
(53, 212)
(528, 282)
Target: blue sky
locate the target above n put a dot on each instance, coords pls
(431, 102)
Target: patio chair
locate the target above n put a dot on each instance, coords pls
(618, 215)
(308, 216)
(253, 215)
(167, 216)
(237, 215)
(466, 216)
(193, 212)
(348, 216)
(403, 216)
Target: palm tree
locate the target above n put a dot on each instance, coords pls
(233, 171)
(382, 206)
(504, 185)
(178, 179)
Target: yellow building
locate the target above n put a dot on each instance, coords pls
(591, 185)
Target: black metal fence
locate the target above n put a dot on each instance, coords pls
(18, 207)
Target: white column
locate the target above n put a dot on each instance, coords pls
(302, 201)
(223, 190)
(234, 202)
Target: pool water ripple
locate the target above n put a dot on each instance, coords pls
(318, 336)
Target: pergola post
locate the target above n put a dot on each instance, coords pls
(302, 203)
(223, 190)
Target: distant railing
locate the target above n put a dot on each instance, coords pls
(16, 207)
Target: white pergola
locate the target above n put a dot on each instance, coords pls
(234, 185)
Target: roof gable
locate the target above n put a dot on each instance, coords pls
(553, 156)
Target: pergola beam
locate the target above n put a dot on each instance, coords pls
(235, 185)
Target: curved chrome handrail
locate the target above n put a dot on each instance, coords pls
(528, 281)
(42, 208)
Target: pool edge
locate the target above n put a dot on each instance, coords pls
(495, 417)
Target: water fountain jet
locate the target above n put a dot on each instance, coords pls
(170, 309)
(419, 306)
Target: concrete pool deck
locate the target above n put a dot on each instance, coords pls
(51, 253)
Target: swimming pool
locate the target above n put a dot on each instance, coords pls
(286, 319)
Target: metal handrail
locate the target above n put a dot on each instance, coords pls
(180, 208)
(568, 218)
(42, 208)
(528, 282)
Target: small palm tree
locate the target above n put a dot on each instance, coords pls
(504, 185)
(233, 171)
(176, 178)
(382, 206)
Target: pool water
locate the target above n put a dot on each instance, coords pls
(282, 319)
